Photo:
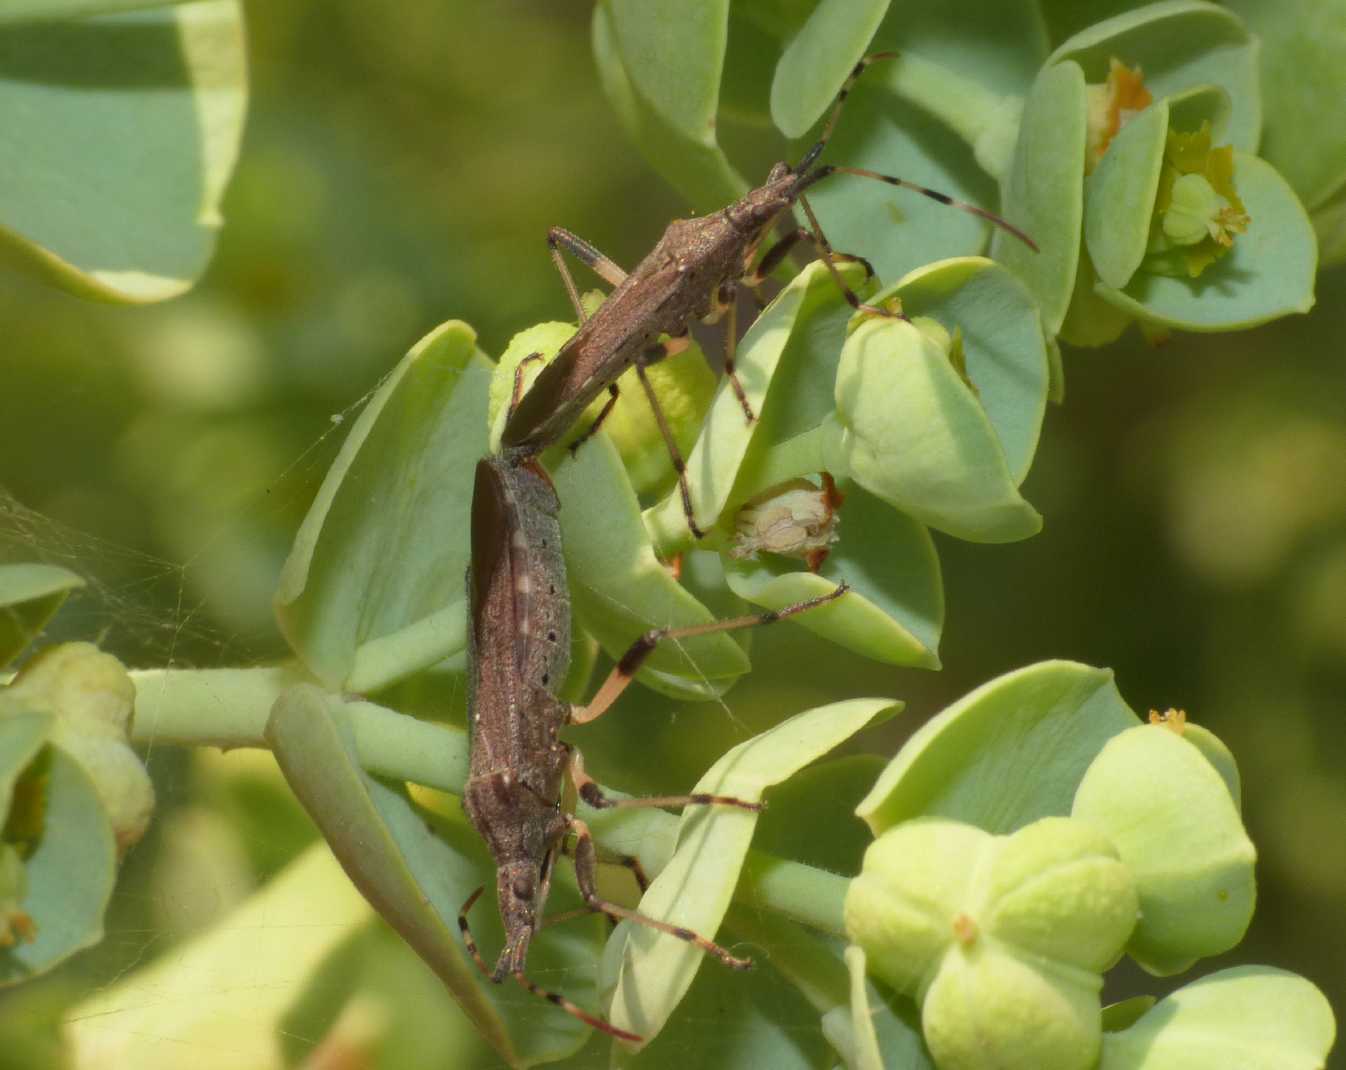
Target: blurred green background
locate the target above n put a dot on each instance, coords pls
(401, 168)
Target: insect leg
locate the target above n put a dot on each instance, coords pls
(726, 305)
(829, 260)
(554, 998)
(679, 465)
(559, 238)
(590, 792)
(778, 252)
(585, 873)
(625, 669)
(517, 394)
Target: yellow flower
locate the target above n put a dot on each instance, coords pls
(1197, 212)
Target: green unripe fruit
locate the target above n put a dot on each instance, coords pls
(1002, 939)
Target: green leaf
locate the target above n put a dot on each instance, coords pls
(373, 589)
(1001, 45)
(1044, 191)
(1178, 44)
(1001, 333)
(1172, 819)
(29, 596)
(71, 866)
(794, 340)
(620, 588)
(679, 140)
(1008, 753)
(730, 1021)
(1119, 196)
(45, 10)
(674, 55)
(1189, 108)
(1119, 1016)
(867, 1055)
(23, 732)
(1090, 321)
(819, 59)
(1253, 1017)
(224, 994)
(655, 970)
(1329, 223)
(913, 433)
(812, 815)
(895, 611)
(1267, 274)
(121, 131)
(872, 1031)
(1302, 79)
(898, 230)
(417, 881)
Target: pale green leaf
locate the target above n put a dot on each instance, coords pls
(1119, 196)
(1252, 1017)
(29, 596)
(914, 435)
(819, 59)
(1043, 193)
(1302, 79)
(1000, 329)
(679, 141)
(70, 868)
(794, 340)
(374, 586)
(620, 588)
(223, 995)
(693, 891)
(121, 132)
(418, 880)
(1008, 753)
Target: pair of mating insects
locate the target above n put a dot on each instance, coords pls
(519, 634)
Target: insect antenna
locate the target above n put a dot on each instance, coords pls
(809, 175)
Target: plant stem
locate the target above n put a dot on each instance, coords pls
(230, 707)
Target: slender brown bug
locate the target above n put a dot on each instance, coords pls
(520, 771)
(692, 273)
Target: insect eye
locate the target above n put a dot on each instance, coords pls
(522, 889)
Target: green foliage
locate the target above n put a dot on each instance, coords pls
(128, 123)
(29, 595)
(1014, 833)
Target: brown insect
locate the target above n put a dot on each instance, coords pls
(520, 771)
(692, 273)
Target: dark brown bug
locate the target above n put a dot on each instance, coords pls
(520, 770)
(692, 273)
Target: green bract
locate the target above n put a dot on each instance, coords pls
(1018, 114)
(56, 825)
(650, 971)
(1003, 939)
(29, 595)
(1177, 828)
(366, 597)
(1251, 1016)
(128, 125)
